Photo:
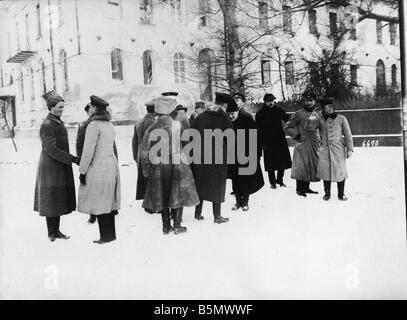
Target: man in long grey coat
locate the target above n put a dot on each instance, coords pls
(139, 131)
(334, 149)
(306, 137)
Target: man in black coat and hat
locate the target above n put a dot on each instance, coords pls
(90, 109)
(210, 179)
(269, 124)
(243, 184)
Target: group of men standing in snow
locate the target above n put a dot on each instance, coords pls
(167, 188)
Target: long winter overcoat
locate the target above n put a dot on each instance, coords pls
(80, 136)
(101, 194)
(305, 157)
(269, 123)
(139, 131)
(210, 179)
(332, 153)
(169, 184)
(54, 186)
(245, 184)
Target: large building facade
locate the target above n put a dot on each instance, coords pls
(129, 51)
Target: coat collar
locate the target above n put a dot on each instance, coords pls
(149, 116)
(332, 116)
(51, 117)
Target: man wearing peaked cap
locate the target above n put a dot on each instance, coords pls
(139, 131)
(269, 97)
(222, 98)
(98, 102)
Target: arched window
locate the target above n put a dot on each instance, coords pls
(148, 67)
(32, 85)
(394, 76)
(117, 64)
(380, 78)
(206, 73)
(22, 85)
(179, 68)
(64, 68)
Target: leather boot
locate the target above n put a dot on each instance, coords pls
(198, 212)
(327, 188)
(92, 219)
(51, 228)
(245, 203)
(59, 234)
(341, 189)
(177, 222)
(165, 215)
(216, 214)
(307, 189)
(300, 188)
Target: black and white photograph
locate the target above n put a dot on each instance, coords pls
(203, 150)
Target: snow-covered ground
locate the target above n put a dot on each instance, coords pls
(284, 247)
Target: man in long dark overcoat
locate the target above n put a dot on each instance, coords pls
(307, 140)
(139, 131)
(269, 123)
(210, 179)
(243, 184)
(54, 186)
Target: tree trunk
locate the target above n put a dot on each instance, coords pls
(233, 46)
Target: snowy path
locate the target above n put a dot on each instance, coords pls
(284, 247)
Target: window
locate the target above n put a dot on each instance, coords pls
(179, 68)
(379, 32)
(393, 33)
(64, 68)
(9, 43)
(265, 72)
(27, 32)
(394, 76)
(203, 11)
(287, 19)
(117, 64)
(176, 10)
(333, 24)
(39, 33)
(146, 11)
(148, 67)
(289, 72)
(206, 73)
(263, 15)
(354, 75)
(60, 12)
(380, 78)
(312, 21)
(1, 78)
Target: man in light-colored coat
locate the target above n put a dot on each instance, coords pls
(99, 192)
(334, 149)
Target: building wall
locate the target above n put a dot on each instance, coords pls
(90, 30)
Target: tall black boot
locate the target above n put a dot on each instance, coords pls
(307, 189)
(52, 233)
(92, 219)
(238, 203)
(59, 234)
(110, 227)
(102, 228)
(280, 176)
(272, 179)
(216, 213)
(198, 211)
(177, 222)
(300, 188)
(165, 215)
(245, 203)
(341, 190)
(327, 188)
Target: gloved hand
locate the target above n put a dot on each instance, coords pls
(82, 179)
(76, 160)
(349, 154)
